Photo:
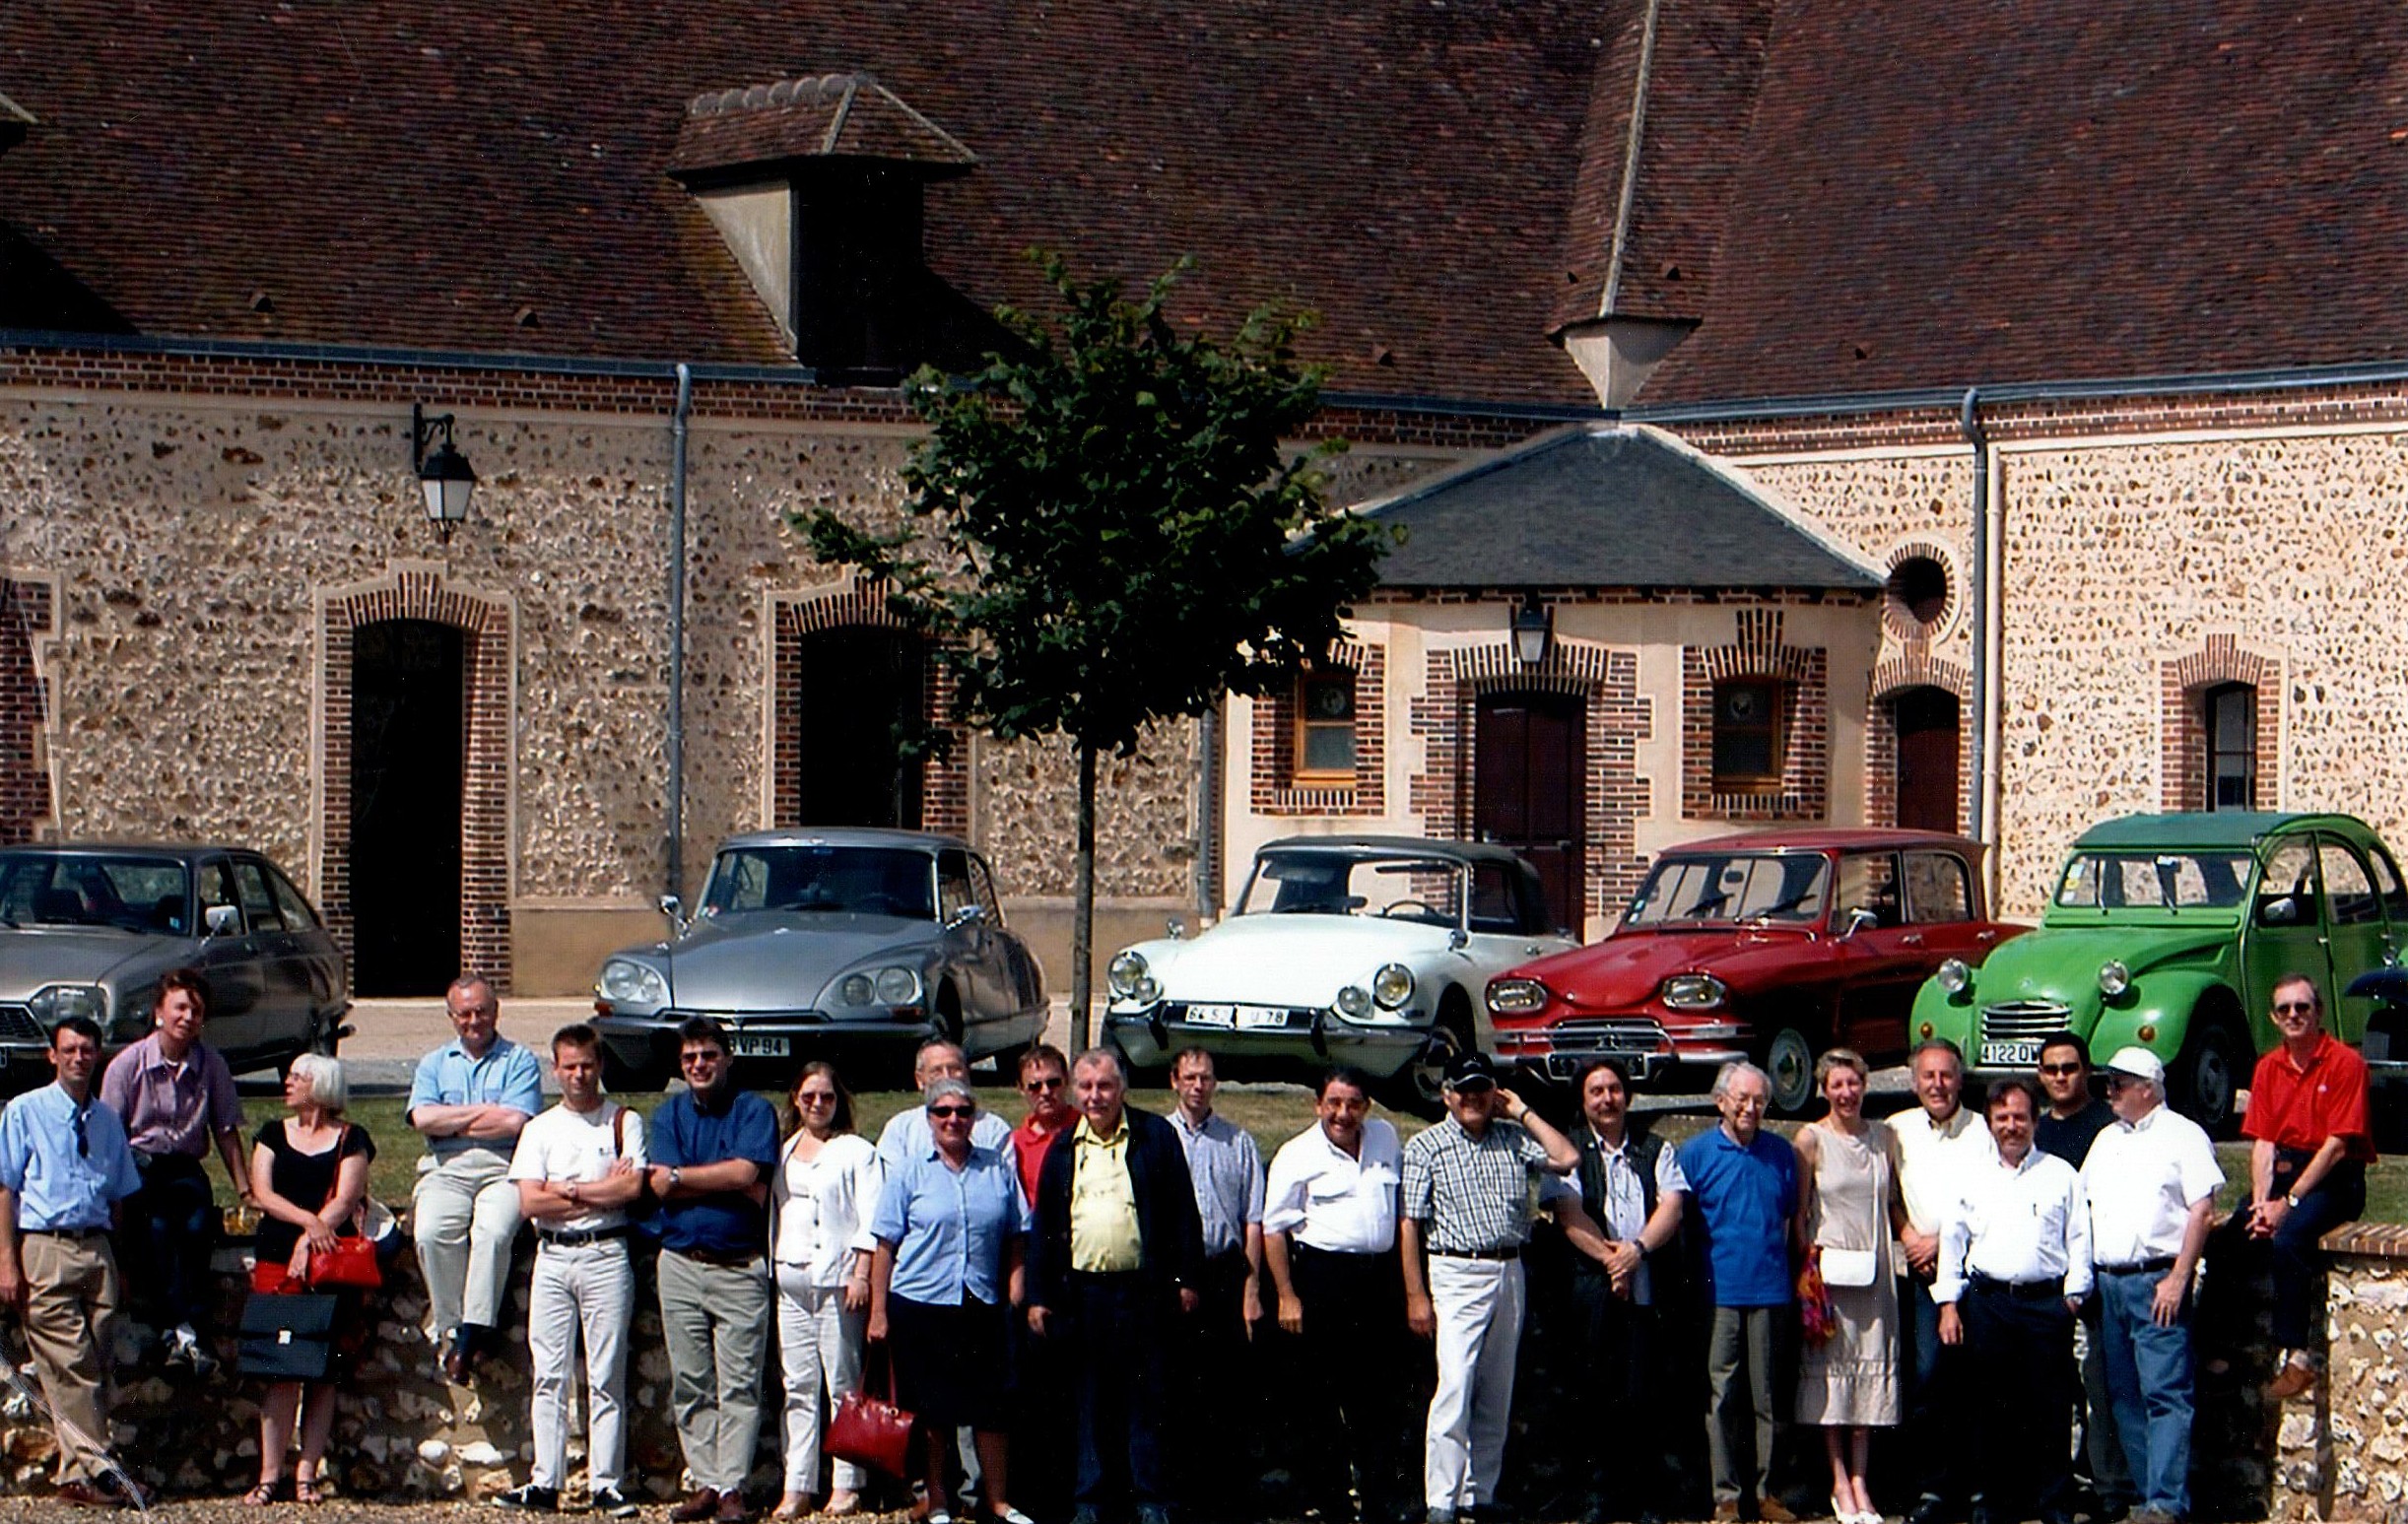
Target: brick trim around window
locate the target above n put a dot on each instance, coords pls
(1916, 667)
(1273, 786)
(944, 778)
(1620, 720)
(490, 622)
(1804, 789)
(2182, 686)
(27, 614)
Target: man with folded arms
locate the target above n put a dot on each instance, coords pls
(2014, 1266)
(2152, 1181)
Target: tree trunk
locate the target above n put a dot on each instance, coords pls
(1082, 913)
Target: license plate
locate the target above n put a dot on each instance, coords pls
(758, 1045)
(1260, 1018)
(1212, 1016)
(2011, 1053)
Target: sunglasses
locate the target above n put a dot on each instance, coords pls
(2060, 1069)
(2288, 1008)
(945, 1113)
(702, 1056)
(817, 1097)
(1050, 1082)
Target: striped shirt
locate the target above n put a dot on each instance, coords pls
(1227, 1169)
(1478, 1194)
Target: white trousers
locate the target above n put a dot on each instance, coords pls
(587, 1287)
(1479, 1308)
(820, 1345)
(464, 1212)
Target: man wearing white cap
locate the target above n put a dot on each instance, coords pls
(2152, 1181)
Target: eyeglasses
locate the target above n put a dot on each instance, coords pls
(942, 1113)
(2288, 1008)
(702, 1056)
(817, 1097)
(1049, 1083)
(2060, 1069)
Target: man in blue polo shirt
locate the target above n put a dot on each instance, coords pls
(1744, 1182)
(713, 1147)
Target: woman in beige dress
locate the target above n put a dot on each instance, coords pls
(1849, 1204)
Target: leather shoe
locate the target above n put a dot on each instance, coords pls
(1727, 1512)
(699, 1505)
(1928, 1510)
(87, 1495)
(731, 1509)
(1772, 1510)
(2292, 1381)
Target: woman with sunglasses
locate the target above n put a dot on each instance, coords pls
(821, 1198)
(947, 1272)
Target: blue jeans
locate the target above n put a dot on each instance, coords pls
(2149, 1384)
(170, 1226)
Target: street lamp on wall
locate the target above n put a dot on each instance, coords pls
(444, 476)
(1533, 628)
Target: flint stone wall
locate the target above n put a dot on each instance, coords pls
(2344, 1454)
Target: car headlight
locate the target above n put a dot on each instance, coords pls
(1354, 1002)
(1954, 974)
(1146, 991)
(2114, 978)
(1124, 972)
(1693, 993)
(632, 984)
(1516, 997)
(897, 986)
(1392, 986)
(856, 989)
(57, 1002)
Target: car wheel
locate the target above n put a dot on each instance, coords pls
(948, 1014)
(1419, 1086)
(1789, 1059)
(2206, 1074)
(622, 1077)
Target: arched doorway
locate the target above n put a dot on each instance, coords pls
(1925, 724)
(409, 750)
(862, 720)
(1529, 782)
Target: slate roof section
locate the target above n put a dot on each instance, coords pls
(391, 175)
(1608, 506)
(823, 116)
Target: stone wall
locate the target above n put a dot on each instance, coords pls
(2343, 1454)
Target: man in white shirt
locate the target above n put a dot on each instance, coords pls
(1329, 1238)
(2014, 1266)
(1933, 1142)
(2152, 1181)
(577, 1166)
(907, 1135)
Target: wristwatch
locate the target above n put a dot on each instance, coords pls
(674, 1175)
(2290, 1200)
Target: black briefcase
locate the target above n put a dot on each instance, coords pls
(288, 1338)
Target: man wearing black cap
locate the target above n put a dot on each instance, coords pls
(1471, 1185)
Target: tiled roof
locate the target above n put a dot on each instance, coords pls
(826, 116)
(493, 176)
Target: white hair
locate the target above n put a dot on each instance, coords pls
(1737, 1070)
(327, 1085)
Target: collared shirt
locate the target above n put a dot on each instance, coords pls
(684, 1134)
(508, 1075)
(1745, 1198)
(2070, 1138)
(1625, 1204)
(1227, 1169)
(2299, 1106)
(1104, 1234)
(1028, 1143)
(820, 1208)
(171, 1107)
(906, 1136)
(1332, 1199)
(2143, 1178)
(60, 1184)
(2029, 1221)
(1477, 1194)
(1928, 1155)
(562, 1144)
(949, 1228)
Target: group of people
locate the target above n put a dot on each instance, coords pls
(1078, 1287)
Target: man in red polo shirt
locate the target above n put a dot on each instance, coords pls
(1044, 1079)
(2307, 1163)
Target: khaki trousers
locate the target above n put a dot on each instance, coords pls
(71, 1302)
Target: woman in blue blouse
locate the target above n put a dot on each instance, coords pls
(946, 1275)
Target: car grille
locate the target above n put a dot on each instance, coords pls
(1637, 1035)
(17, 1025)
(2023, 1019)
(745, 1018)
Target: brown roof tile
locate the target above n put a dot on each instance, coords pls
(823, 116)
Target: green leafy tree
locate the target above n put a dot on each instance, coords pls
(1110, 527)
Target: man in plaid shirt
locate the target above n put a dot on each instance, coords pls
(1471, 1188)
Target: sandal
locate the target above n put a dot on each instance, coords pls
(306, 1490)
(266, 1492)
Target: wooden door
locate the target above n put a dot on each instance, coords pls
(1529, 790)
(1928, 795)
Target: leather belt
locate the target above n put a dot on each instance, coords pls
(725, 1259)
(1496, 1254)
(575, 1237)
(65, 1233)
(2157, 1266)
(2025, 1290)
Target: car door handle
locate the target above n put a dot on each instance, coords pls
(1986, 936)
(1912, 938)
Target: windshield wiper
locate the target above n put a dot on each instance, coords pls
(1783, 907)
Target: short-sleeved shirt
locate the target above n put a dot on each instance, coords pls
(171, 1107)
(60, 1184)
(1334, 1201)
(1931, 1157)
(2069, 1138)
(950, 1227)
(1477, 1194)
(562, 1144)
(906, 1136)
(1227, 1169)
(303, 1179)
(1029, 1145)
(1626, 1199)
(508, 1075)
(684, 1134)
(2143, 1178)
(2300, 1105)
(1745, 1199)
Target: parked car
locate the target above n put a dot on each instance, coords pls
(88, 930)
(1369, 951)
(852, 945)
(2169, 931)
(1769, 946)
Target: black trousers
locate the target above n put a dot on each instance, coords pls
(1118, 1329)
(1222, 1424)
(2023, 1444)
(1629, 1460)
(170, 1226)
(1352, 1370)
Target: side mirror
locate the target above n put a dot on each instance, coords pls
(2282, 910)
(221, 921)
(1858, 919)
(1457, 940)
(968, 915)
(1174, 928)
(675, 909)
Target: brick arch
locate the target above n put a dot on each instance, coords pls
(1619, 720)
(28, 615)
(490, 623)
(1916, 667)
(1758, 651)
(2183, 687)
(944, 778)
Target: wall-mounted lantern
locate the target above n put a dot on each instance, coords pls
(444, 476)
(1533, 628)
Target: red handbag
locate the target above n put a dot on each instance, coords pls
(871, 1431)
(351, 1262)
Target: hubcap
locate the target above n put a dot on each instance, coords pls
(1791, 1061)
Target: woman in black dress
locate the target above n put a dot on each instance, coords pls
(310, 1173)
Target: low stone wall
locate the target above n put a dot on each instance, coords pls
(2343, 1453)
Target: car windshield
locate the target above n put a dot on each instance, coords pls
(1733, 889)
(823, 878)
(129, 892)
(1310, 883)
(2207, 879)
